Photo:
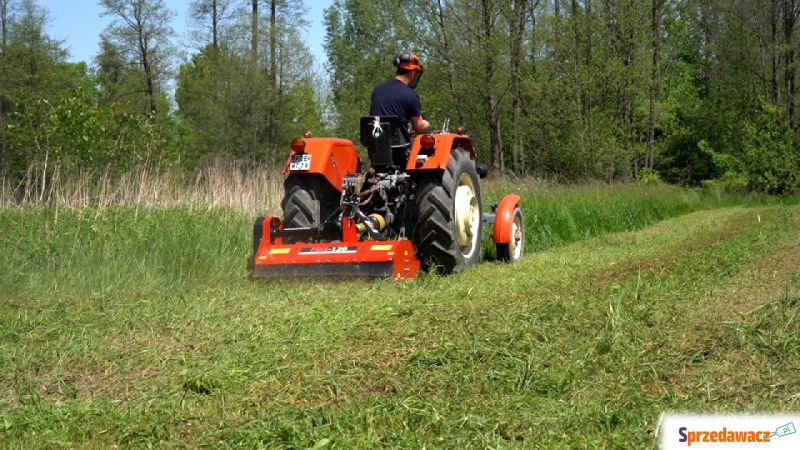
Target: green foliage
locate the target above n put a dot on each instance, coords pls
(589, 90)
(769, 152)
(239, 106)
(32, 69)
(119, 82)
(764, 159)
(649, 176)
(718, 128)
(74, 134)
(212, 88)
(138, 41)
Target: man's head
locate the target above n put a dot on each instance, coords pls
(409, 65)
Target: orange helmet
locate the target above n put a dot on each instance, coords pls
(408, 61)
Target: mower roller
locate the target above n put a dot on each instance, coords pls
(418, 206)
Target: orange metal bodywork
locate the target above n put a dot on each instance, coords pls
(332, 157)
(504, 217)
(438, 158)
(348, 257)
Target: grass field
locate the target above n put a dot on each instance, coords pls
(137, 326)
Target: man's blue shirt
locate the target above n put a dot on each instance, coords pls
(394, 98)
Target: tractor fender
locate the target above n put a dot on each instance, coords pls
(331, 157)
(504, 217)
(421, 159)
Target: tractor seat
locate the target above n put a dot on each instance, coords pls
(387, 140)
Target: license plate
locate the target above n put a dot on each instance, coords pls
(300, 162)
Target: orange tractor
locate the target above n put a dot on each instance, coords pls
(418, 205)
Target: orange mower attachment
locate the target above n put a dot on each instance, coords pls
(343, 257)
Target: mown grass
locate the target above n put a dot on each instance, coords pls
(138, 327)
(561, 214)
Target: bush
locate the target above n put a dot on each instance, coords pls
(649, 176)
(762, 158)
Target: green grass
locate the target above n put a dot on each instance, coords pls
(87, 251)
(557, 214)
(139, 328)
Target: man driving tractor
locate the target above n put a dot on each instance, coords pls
(397, 97)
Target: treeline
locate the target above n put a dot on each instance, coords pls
(244, 91)
(685, 91)
(679, 90)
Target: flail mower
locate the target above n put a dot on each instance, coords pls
(418, 206)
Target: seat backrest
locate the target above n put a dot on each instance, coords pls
(386, 139)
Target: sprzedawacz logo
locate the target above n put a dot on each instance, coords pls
(726, 435)
(723, 435)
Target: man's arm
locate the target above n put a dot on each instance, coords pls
(419, 124)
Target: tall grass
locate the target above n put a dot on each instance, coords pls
(559, 214)
(158, 230)
(218, 183)
(121, 248)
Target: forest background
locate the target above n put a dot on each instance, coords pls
(690, 92)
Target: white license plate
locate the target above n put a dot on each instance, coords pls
(300, 162)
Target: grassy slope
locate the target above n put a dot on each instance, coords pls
(579, 345)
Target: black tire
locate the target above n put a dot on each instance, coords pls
(308, 200)
(443, 243)
(512, 252)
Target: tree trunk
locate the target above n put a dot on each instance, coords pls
(775, 90)
(4, 20)
(275, 95)
(447, 59)
(254, 32)
(273, 47)
(587, 91)
(655, 83)
(495, 142)
(789, 21)
(144, 55)
(214, 25)
(517, 33)
(580, 88)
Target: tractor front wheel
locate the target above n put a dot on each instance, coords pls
(448, 233)
(512, 251)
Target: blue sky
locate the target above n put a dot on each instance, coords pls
(78, 24)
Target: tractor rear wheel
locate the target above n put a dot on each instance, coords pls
(308, 200)
(449, 227)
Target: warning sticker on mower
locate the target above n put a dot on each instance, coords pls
(300, 162)
(328, 250)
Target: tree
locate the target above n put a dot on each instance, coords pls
(5, 22)
(362, 37)
(208, 21)
(140, 32)
(655, 80)
(6, 17)
(246, 107)
(35, 74)
(519, 14)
